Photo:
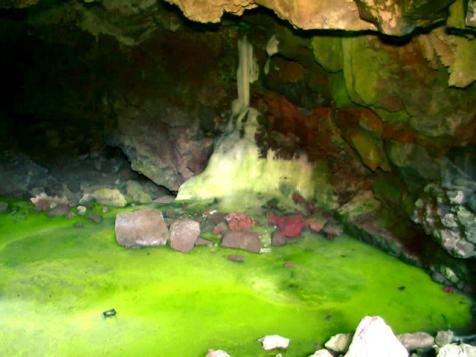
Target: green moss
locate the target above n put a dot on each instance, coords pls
(56, 280)
(327, 51)
(339, 91)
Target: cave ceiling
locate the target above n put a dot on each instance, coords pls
(131, 21)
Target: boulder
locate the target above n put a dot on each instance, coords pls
(416, 340)
(43, 202)
(290, 226)
(141, 228)
(278, 239)
(274, 342)
(454, 350)
(136, 193)
(444, 338)
(249, 241)
(339, 343)
(374, 338)
(217, 353)
(183, 235)
(105, 196)
(321, 353)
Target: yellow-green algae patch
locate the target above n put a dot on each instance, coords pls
(56, 280)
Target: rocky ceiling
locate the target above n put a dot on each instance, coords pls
(131, 20)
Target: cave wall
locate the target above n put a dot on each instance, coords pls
(386, 125)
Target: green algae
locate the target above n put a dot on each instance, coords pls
(56, 280)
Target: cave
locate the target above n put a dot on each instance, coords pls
(238, 178)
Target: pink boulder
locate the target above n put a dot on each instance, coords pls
(289, 226)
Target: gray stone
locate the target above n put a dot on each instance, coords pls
(453, 350)
(249, 241)
(321, 353)
(81, 210)
(165, 199)
(339, 342)
(274, 342)
(43, 202)
(444, 337)
(278, 239)
(105, 196)
(183, 235)
(416, 340)
(217, 353)
(141, 228)
(3, 207)
(136, 193)
(374, 338)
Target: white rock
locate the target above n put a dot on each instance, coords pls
(339, 342)
(321, 353)
(374, 338)
(81, 210)
(416, 340)
(457, 351)
(444, 338)
(273, 342)
(217, 353)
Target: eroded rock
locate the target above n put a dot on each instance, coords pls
(183, 234)
(374, 338)
(249, 241)
(274, 342)
(141, 228)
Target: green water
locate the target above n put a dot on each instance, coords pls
(56, 280)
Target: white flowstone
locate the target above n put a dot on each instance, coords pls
(321, 353)
(374, 338)
(453, 350)
(273, 342)
(339, 342)
(416, 340)
(217, 353)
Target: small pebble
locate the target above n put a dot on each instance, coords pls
(109, 313)
(289, 265)
(95, 218)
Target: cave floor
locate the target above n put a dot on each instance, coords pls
(56, 280)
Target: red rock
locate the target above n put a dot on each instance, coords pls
(290, 226)
(448, 290)
(288, 265)
(219, 229)
(239, 222)
(298, 198)
(311, 207)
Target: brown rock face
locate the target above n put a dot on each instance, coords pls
(242, 240)
(183, 235)
(141, 228)
(389, 17)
